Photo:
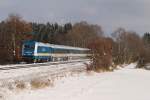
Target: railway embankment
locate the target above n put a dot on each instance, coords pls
(39, 75)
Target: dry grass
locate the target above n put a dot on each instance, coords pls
(38, 84)
(20, 85)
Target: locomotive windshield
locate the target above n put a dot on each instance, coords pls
(29, 47)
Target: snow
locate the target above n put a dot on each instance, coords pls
(36, 71)
(127, 66)
(123, 84)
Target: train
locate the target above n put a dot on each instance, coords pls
(33, 51)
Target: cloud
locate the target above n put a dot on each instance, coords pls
(131, 14)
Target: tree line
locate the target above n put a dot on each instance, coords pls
(122, 47)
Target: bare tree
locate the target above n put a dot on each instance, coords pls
(101, 50)
(83, 33)
(14, 30)
(127, 47)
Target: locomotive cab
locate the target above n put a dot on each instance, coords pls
(28, 50)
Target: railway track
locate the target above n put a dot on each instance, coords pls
(18, 66)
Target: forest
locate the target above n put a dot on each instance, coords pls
(122, 46)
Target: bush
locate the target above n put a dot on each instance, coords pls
(101, 50)
(20, 85)
(144, 58)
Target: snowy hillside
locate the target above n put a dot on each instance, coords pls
(123, 84)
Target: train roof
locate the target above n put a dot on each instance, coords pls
(56, 46)
(60, 46)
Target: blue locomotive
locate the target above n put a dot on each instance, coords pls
(41, 52)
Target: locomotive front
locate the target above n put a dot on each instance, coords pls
(28, 49)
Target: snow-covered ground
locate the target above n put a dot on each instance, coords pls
(33, 72)
(122, 84)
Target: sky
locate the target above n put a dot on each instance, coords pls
(133, 15)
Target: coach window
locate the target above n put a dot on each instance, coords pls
(43, 49)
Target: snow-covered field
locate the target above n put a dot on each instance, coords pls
(122, 84)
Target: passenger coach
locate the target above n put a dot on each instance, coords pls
(40, 52)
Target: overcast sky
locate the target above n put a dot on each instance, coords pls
(110, 14)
